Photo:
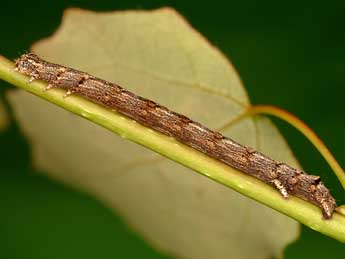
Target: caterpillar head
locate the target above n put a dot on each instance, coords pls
(27, 64)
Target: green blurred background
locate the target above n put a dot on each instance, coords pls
(290, 54)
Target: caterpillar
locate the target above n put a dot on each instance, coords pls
(287, 180)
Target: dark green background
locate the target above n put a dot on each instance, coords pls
(289, 54)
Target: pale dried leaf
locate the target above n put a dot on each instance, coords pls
(158, 55)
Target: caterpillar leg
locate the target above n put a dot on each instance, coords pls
(68, 93)
(48, 87)
(280, 188)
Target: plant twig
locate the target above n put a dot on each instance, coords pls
(296, 208)
(305, 130)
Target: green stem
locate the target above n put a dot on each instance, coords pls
(296, 208)
(305, 130)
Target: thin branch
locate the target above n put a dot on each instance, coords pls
(296, 208)
(305, 130)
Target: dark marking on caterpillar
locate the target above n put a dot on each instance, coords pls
(287, 180)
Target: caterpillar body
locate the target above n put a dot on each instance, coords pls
(287, 180)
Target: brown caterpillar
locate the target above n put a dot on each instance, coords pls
(281, 176)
